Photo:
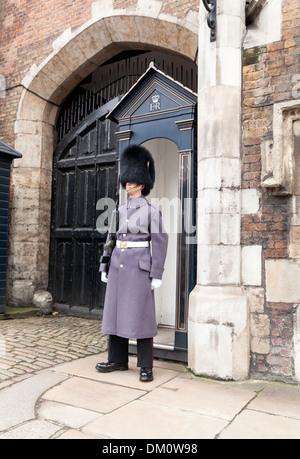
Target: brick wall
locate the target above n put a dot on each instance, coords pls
(27, 31)
(269, 77)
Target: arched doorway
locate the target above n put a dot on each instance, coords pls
(84, 171)
(46, 87)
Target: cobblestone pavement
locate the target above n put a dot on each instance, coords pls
(35, 343)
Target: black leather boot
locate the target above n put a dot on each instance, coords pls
(108, 367)
(146, 374)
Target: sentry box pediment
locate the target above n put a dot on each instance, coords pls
(154, 97)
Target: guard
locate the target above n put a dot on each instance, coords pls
(136, 268)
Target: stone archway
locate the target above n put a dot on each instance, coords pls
(75, 56)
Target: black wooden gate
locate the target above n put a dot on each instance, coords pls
(84, 172)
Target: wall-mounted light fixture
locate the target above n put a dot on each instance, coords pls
(211, 7)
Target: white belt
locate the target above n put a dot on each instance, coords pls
(129, 244)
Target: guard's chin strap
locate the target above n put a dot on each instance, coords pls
(136, 188)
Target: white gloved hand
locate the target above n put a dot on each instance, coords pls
(104, 277)
(155, 283)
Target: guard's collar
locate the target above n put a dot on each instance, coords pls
(136, 203)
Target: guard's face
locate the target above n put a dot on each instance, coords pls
(134, 189)
(130, 186)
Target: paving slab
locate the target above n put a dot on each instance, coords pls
(64, 414)
(153, 421)
(203, 397)
(32, 430)
(92, 395)
(86, 368)
(17, 402)
(280, 399)
(257, 425)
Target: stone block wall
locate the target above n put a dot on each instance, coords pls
(271, 107)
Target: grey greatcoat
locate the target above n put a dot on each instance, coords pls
(129, 308)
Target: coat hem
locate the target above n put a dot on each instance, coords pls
(134, 337)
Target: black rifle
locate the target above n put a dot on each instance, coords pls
(114, 226)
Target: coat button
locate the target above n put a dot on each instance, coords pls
(122, 250)
(124, 235)
(121, 266)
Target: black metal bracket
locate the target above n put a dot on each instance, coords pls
(211, 7)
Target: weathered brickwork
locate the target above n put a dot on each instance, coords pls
(270, 73)
(268, 228)
(27, 31)
(279, 362)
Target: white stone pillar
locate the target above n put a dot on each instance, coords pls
(218, 314)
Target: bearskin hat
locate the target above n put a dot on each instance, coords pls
(137, 166)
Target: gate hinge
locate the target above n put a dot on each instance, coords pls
(211, 7)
